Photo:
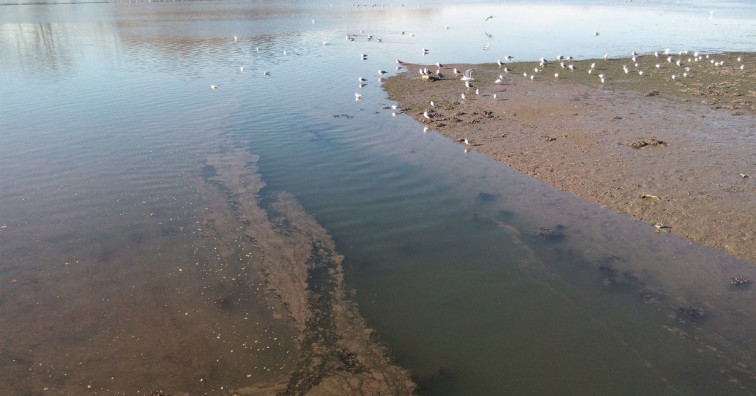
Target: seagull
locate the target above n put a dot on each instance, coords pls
(486, 47)
(363, 56)
(439, 64)
(463, 96)
(241, 69)
(490, 17)
(432, 103)
(362, 80)
(498, 62)
(426, 115)
(595, 34)
(213, 86)
(438, 73)
(508, 58)
(468, 75)
(477, 91)
(382, 72)
(357, 96)
(456, 71)
(467, 142)
(556, 75)
(468, 85)
(266, 74)
(494, 96)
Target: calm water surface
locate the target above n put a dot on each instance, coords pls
(106, 117)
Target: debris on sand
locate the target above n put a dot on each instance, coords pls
(647, 142)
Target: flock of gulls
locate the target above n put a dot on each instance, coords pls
(678, 65)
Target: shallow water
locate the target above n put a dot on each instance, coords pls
(106, 118)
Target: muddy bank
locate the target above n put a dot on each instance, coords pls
(676, 153)
(328, 349)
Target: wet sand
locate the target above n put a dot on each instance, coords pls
(674, 153)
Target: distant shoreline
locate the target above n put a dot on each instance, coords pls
(676, 153)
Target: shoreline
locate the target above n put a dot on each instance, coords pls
(674, 153)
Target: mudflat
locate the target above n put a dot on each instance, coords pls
(668, 139)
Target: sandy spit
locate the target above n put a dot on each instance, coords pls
(677, 154)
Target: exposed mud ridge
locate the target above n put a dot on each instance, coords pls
(332, 352)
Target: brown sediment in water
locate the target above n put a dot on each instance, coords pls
(238, 297)
(332, 351)
(675, 153)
